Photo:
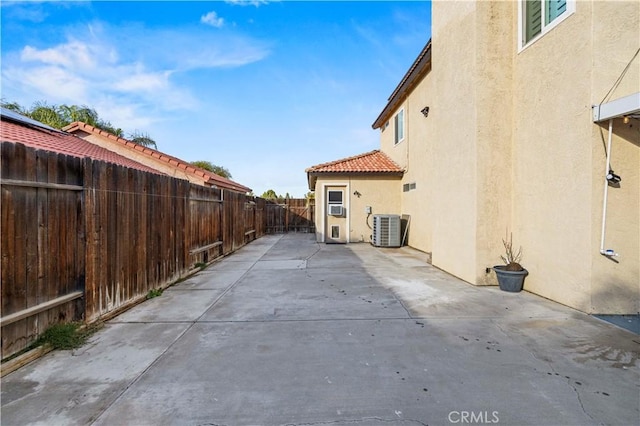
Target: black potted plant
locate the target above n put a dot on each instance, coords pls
(511, 274)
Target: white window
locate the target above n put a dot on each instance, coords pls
(334, 197)
(538, 17)
(398, 123)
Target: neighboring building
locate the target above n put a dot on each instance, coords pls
(502, 125)
(157, 160)
(17, 128)
(357, 187)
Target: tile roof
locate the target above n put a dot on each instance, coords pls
(181, 165)
(370, 162)
(40, 137)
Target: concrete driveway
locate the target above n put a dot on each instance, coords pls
(290, 332)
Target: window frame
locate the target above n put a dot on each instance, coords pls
(545, 27)
(401, 114)
(329, 202)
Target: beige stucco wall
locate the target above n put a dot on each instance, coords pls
(615, 287)
(382, 193)
(138, 156)
(465, 151)
(414, 154)
(559, 161)
(510, 146)
(419, 144)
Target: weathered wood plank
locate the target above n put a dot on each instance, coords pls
(42, 307)
(31, 243)
(35, 184)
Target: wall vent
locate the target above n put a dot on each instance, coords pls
(386, 230)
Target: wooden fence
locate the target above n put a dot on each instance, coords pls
(82, 239)
(291, 215)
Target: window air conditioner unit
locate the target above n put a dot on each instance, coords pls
(335, 210)
(386, 230)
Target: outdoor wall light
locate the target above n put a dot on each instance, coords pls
(613, 178)
(425, 111)
(357, 194)
(626, 119)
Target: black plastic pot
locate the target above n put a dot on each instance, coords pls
(511, 281)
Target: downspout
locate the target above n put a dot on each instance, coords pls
(607, 252)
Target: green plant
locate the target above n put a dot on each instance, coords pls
(200, 265)
(154, 292)
(511, 258)
(70, 335)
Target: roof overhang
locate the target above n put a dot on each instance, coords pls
(420, 67)
(628, 106)
(312, 177)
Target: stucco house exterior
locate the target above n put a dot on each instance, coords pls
(360, 186)
(152, 158)
(509, 121)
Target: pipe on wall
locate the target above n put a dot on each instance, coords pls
(603, 251)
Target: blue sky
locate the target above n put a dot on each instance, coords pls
(265, 89)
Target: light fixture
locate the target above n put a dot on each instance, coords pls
(425, 111)
(613, 178)
(626, 119)
(357, 194)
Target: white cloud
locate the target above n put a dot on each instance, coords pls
(212, 19)
(255, 3)
(129, 77)
(141, 81)
(54, 83)
(69, 55)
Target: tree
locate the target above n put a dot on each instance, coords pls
(13, 106)
(59, 116)
(142, 139)
(71, 113)
(207, 165)
(47, 114)
(270, 194)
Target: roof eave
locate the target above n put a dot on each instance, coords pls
(414, 75)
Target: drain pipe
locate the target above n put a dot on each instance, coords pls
(607, 252)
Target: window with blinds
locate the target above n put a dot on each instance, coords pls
(539, 16)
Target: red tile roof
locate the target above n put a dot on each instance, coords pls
(370, 162)
(184, 166)
(63, 143)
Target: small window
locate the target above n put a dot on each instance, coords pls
(398, 123)
(538, 17)
(334, 197)
(335, 231)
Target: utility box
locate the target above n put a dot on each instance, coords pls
(386, 230)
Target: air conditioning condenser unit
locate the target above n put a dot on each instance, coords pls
(386, 230)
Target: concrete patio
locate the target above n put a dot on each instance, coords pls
(290, 332)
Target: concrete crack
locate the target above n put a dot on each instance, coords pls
(580, 401)
(550, 366)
